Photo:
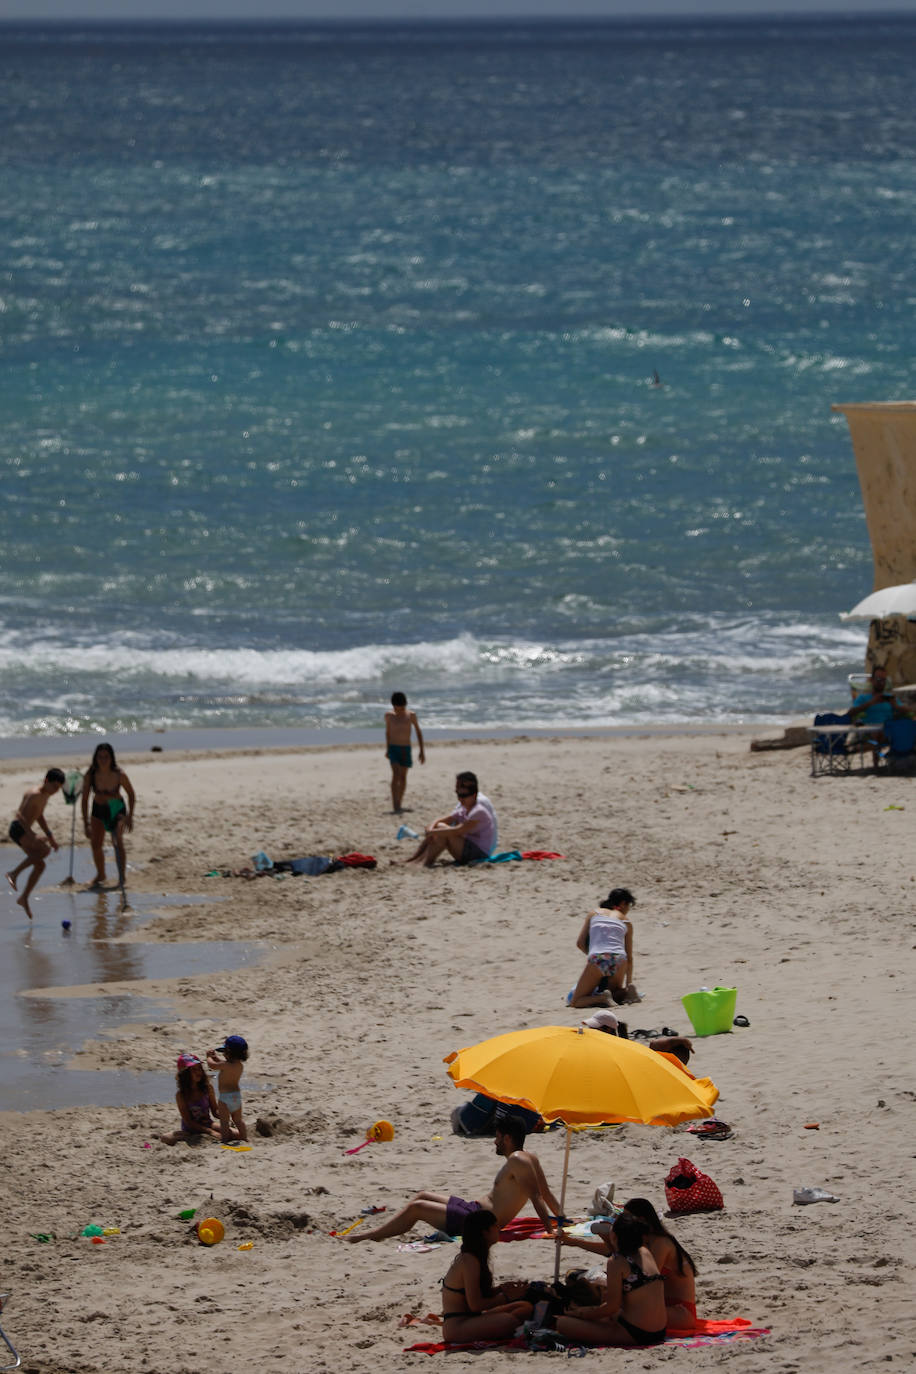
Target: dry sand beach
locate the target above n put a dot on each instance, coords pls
(799, 892)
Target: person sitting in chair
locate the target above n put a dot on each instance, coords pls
(876, 708)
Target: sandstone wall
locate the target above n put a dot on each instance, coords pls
(884, 440)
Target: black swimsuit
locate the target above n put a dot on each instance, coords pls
(637, 1278)
(467, 1311)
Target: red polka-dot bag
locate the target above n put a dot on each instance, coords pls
(688, 1189)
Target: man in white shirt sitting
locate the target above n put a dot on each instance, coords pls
(468, 832)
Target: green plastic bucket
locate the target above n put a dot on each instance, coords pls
(711, 1010)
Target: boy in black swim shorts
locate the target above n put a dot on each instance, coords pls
(399, 722)
(30, 813)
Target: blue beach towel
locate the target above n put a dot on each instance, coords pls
(503, 858)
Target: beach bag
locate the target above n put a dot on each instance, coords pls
(688, 1189)
(711, 1010)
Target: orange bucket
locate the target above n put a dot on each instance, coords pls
(210, 1231)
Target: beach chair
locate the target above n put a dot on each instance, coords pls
(900, 754)
(829, 750)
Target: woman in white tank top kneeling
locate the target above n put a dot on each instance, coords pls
(607, 939)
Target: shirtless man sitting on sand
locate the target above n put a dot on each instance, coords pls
(32, 812)
(520, 1180)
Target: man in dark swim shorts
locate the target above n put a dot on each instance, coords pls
(520, 1180)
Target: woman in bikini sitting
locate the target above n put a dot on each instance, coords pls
(473, 1310)
(633, 1311)
(105, 781)
(675, 1266)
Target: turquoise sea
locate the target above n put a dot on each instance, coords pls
(328, 361)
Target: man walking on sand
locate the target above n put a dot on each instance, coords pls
(32, 812)
(468, 832)
(520, 1180)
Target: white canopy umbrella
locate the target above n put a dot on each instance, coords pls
(899, 600)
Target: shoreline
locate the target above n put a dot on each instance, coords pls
(246, 740)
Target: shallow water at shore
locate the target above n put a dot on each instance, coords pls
(41, 1025)
(252, 738)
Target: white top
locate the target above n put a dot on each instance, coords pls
(484, 830)
(607, 933)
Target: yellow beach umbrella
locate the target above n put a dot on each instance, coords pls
(582, 1077)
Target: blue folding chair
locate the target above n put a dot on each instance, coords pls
(829, 751)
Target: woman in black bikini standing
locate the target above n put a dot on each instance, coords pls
(105, 780)
(633, 1311)
(472, 1308)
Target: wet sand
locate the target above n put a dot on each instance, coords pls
(748, 873)
(79, 970)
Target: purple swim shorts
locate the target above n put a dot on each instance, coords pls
(457, 1212)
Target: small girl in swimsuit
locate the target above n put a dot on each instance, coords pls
(196, 1102)
(633, 1311)
(234, 1050)
(110, 815)
(473, 1310)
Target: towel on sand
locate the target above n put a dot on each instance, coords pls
(707, 1333)
(509, 855)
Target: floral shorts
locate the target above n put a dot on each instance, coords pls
(608, 963)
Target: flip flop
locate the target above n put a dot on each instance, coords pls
(741, 1021)
(712, 1129)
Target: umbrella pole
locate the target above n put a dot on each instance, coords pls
(556, 1263)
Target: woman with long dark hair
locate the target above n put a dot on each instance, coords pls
(633, 1311)
(676, 1267)
(473, 1309)
(111, 815)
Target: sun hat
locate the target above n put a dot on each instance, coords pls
(187, 1061)
(602, 1021)
(234, 1042)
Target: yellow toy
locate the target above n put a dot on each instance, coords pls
(210, 1231)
